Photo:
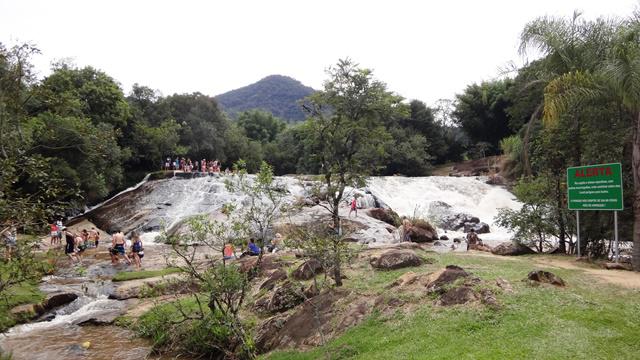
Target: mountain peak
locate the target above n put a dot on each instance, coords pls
(278, 94)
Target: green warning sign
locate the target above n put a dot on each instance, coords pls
(595, 187)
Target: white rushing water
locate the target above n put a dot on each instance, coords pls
(472, 195)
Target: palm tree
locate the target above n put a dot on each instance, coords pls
(617, 78)
(568, 45)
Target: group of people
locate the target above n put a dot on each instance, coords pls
(252, 249)
(77, 242)
(187, 165)
(119, 245)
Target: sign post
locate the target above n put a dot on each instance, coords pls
(595, 187)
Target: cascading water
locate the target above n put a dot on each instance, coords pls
(59, 334)
(426, 197)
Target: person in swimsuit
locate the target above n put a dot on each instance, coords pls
(117, 248)
(137, 251)
(70, 243)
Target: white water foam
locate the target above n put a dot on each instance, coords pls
(471, 195)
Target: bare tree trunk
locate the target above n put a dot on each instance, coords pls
(635, 163)
(561, 242)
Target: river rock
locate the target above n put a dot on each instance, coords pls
(457, 221)
(545, 277)
(479, 228)
(285, 297)
(104, 317)
(307, 270)
(27, 311)
(511, 248)
(395, 259)
(273, 277)
(58, 299)
(496, 179)
(136, 288)
(387, 215)
(421, 232)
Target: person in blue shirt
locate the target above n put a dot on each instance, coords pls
(252, 249)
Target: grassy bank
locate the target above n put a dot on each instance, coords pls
(25, 293)
(586, 320)
(144, 274)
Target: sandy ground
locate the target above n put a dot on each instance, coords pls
(627, 279)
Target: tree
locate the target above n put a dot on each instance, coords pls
(260, 125)
(345, 133)
(567, 45)
(616, 78)
(203, 125)
(481, 111)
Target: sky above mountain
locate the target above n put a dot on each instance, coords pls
(422, 50)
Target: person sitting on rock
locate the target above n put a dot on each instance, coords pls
(252, 249)
(228, 252)
(276, 244)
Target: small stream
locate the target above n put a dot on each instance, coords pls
(60, 333)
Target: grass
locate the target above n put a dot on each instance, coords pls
(25, 293)
(144, 274)
(585, 320)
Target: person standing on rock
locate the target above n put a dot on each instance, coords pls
(475, 243)
(137, 251)
(117, 248)
(354, 206)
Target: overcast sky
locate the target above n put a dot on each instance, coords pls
(423, 50)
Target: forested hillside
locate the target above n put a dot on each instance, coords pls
(277, 94)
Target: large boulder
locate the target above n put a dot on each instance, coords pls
(422, 231)
(387, 215)
(479, 228)
(395, 259)
(545, 277)
(307, 270)
(58, 299)
(286, 297)
(457, 221)
(450, 274)
(511, 249)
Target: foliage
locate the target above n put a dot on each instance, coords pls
(345, 133)
(319, 242)
(260, 125)
(276, 94)
(481, 111)
(534, 223)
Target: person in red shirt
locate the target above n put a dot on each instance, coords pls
(354, 206)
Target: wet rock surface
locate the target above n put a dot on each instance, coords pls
(387, 215)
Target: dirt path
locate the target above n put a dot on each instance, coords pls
(627, 279)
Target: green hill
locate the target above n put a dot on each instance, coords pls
(275, 93)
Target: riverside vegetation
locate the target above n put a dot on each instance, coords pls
(73, 138)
